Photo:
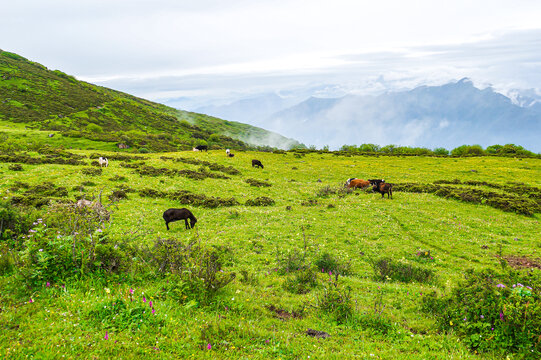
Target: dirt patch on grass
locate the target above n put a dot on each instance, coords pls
(522, 262)
(284, 314)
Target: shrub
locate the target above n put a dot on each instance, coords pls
(258, 183)
(493, 312)
(193, 271)
(91, 171)
(336, 300)
(290, 260)
(387, 269)
(143, 150)
(302, 281)
(260, 201)
(327, 262)
(15, 167)
(119, 315)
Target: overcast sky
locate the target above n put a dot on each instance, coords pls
(164, 49)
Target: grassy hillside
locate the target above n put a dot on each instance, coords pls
(51, 100)
(383, 277)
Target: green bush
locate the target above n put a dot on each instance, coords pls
(302, 281)
(119, 315)
(260, 201)
(493, 312)
(329, 263)
(143, 150)
(387, 269)
(336, 300)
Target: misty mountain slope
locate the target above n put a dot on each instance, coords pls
(54, 101)
(449, 115)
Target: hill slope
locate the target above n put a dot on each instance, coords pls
(51, 100)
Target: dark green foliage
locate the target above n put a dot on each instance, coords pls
(24, 158)
(468, 150)
(194, 272)
(387, 269)
(14, 222)
(493, 312)
(38, 195)
(289, 261)
(212, 166)
(327, 262)
(326, 191)
(118, 178)
(186, 197)
(92, 171)
(118, 195)
(196, 175)
(260, 201)
(336, 300)
(15, 167)
(302, 281)
(506, 202)
(119, 315)
(258, 183)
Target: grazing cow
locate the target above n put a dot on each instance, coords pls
(171, 215)
(384, 188)
(103, 161)
(349, 180)
(202, 147)
(376, 181)
(358, 183)
(230, 155)
(227, 152)
(257, 163)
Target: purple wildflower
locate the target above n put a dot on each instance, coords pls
(106, 337)
(131, 291)
(32, 230)
(153, 311)
(482, 316)
(144, 299)
(209, 346)
(48, 284)
(500, 285)
(150, 303)
(527, 287)
(501, 316)
(31, 300)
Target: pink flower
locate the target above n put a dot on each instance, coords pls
(501, 316)
(209, 346)
(131, 291)
(31, 300)
(144, 299)
(106, 337)
(150, 303)
(500, 285)
(48, 284)
(153, 311)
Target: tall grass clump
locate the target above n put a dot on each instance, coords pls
(386, 269)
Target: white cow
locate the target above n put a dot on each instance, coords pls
(227, 152)
(194, 149)
(103, 161)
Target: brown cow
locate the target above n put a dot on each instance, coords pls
(358, 183)
(384, 188)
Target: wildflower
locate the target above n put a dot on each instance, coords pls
(500, 285)
(107, 290)
(150, 303)
(131, 291)
(451, 323)
(501, 316)
(144, 299)
(48, 284)
(153, 311)
(482, 317)
(527, 287)
(209, 346)
(426, 253)
(330, 273)
(464, 318)
(32, 231)
(40, 250)
(40, 220)
(31, 300)
(106, 337)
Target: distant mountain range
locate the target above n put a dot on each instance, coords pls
(447, 116)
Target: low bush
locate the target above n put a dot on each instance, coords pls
(387, 269)
(194, 272)
(302, 281)
(186, 197)
(119, 315)
(92, 171)
(260, 201)
(329, 263)
(493, 312)
(15, 167)
(257, 183)
(336, 300)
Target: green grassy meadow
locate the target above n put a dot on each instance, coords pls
(63, 319)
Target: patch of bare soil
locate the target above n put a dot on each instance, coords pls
(522, 262)
(283, 314)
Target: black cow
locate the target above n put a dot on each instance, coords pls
(256, 163)
(171, 215)
(202, 147)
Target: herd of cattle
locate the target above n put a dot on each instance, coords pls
(171, 215)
